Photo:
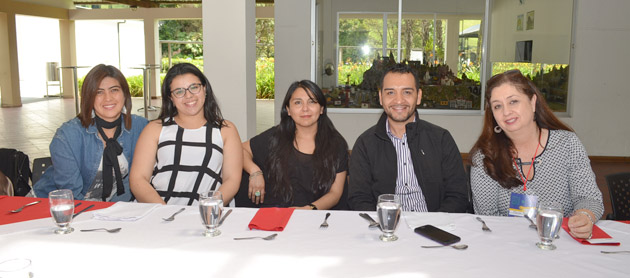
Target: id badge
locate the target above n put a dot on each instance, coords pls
(521, 204)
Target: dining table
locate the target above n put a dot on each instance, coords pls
(149, 246)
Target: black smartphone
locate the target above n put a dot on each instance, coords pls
(436, 234)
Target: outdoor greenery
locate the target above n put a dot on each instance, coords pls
(265, 82)
(182, 30)
(191, 30)
(361, 40)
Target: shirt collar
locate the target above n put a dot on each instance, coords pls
(389, 131)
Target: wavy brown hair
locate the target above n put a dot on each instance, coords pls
(497, 148)
(90, 86)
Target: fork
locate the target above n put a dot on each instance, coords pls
(22, 207)
(325, 224)
(373, 224)
(269, 237)
(173, 216)
(484, 226)
(115, 230)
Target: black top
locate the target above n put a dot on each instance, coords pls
(436, 161)
(300, 172)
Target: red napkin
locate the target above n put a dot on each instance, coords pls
(37, 211)
(599, 236)
(271, 219)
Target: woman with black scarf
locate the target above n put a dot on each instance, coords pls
(92, 153)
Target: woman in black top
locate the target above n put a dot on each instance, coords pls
(303, 161)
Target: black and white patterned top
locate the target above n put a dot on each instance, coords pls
(189, 162)
(562, 173)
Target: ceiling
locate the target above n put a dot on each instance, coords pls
(69, 4)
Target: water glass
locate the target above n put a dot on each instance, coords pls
(211, 208)
(388, 211)
(62, 209)
(549, 221)
(14, 268)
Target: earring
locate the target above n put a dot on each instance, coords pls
(124, 110)
(93, 114)
(497, 129)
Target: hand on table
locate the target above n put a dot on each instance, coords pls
(580, 225)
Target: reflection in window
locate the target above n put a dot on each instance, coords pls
(363, 55)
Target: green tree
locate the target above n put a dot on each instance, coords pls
(182, 30)
(264, 38)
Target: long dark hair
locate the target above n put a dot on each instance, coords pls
(90, 86)
(211, 110)
(326, 157)
(497, 148)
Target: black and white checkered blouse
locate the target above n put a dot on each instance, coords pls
(562, 173)
(189, 162)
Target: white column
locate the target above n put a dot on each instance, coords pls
(292, 46)
(68, 55)
(152, 53)
(229, 52)
(9, 77)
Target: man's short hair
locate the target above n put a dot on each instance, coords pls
(401, 68)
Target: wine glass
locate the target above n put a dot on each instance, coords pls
(62, 209)
(388, 210)
(211, 208)
(549, 221)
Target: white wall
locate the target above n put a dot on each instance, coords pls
(33, 33)
(97, 43)
(599, 93)
(551, 35)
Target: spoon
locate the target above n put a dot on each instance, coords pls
(173, 216)
(22, 207)
(531, 223)
(269, 237)
(484, 227)
(457, 246)
(115, 230)
(614, 252)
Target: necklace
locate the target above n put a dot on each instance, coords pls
(524, 179)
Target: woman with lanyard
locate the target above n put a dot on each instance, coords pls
(91, 153)
(191, 148)
(525, 153)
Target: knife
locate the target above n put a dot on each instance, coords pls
(76, 214)
(225, 216)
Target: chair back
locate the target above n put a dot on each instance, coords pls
(619, 188)
(39, 167)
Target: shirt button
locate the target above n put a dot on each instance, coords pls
(403, 144)
(405, 164)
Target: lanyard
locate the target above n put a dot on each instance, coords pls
(524, 179)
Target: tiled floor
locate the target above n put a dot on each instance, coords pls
(31, 127)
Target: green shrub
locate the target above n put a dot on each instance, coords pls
(265, 82)
(355, 70)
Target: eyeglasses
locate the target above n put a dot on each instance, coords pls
(193, 89)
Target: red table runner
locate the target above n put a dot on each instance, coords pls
(37, 211)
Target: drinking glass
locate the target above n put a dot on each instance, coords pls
(549, 221)
(211, 208)
(388, 210)
(62, 209)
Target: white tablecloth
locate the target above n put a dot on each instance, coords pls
(151, 247)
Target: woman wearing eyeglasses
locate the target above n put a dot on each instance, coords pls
(190, 148)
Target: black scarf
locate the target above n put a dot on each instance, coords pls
(110, 156)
